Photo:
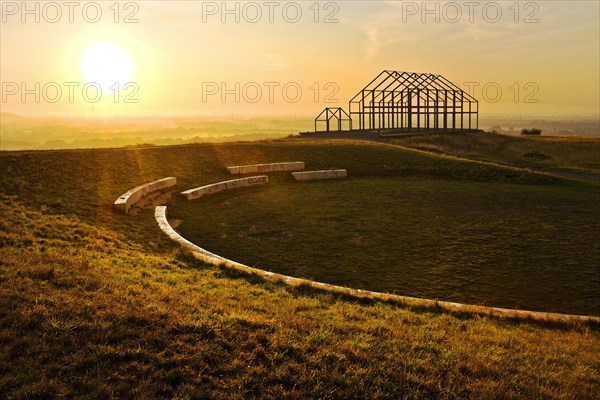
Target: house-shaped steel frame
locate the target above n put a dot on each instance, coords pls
(408, 101)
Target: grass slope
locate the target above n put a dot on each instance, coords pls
(85, 183)
(565, 153)
(98, 305)
(86, 313)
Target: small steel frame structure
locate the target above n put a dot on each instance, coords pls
(337, 114)
(409, 101)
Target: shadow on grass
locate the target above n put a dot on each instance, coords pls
(308, 290)
(233, 273)
(436, 308)
(187, 258)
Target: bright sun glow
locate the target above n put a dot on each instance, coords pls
(105, 63)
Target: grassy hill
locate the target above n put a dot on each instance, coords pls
(579, 154)
(86, 313)
(98, 305)
(85, 183)
(533, 247)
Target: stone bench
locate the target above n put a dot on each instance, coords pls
(132, 196)
(318, 175)
(271, 167)
(198, 192)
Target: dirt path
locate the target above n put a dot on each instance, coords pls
(571, 175)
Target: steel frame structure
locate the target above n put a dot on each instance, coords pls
(337, 114)
(413, 101)
(409, 101)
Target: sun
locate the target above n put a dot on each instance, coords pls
(106, 63)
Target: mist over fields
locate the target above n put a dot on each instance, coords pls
(24, 133)
(19, 132)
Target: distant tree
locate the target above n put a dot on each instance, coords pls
(532, 131)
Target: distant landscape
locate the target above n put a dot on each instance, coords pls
(44, 133)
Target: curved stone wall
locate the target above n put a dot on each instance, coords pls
(318, 175)
(271, 167)
(129, 198)
(198, 192)
(160, 214)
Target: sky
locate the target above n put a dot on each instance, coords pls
(277, 58)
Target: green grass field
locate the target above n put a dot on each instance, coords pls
(439, 227)
(86, 182)
(515, 246)
(100, 305)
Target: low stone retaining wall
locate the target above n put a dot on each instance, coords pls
(160, 213)
(271, 167)
(198, 192)
(318, 175)
(129, 198)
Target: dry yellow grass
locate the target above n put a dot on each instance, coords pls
(86, 314)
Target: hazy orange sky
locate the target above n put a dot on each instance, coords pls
(294, 58)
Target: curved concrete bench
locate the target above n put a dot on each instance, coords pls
(129, 198)
(271, 167)
(160, 214)
(318, 175)
(198, 192)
